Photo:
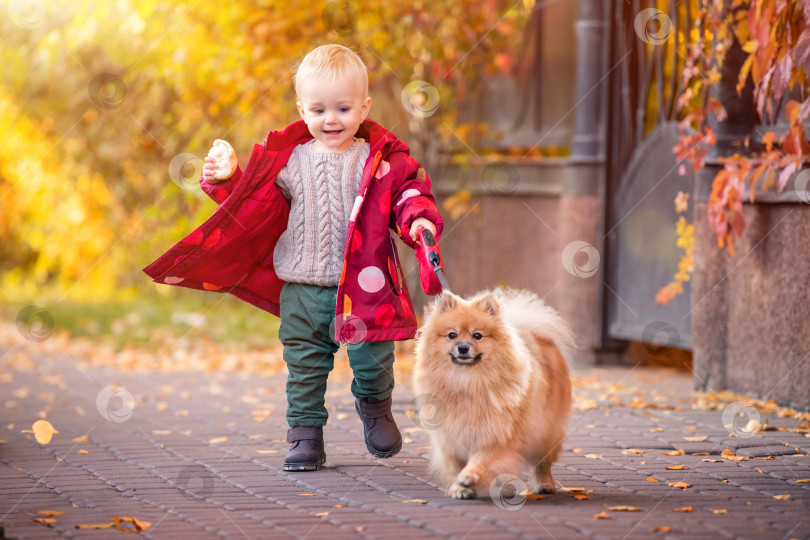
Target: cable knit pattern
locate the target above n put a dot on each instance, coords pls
(321, 187)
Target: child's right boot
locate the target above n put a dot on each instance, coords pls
(306, 449)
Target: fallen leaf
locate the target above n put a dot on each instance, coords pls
(696, 439)
(783, 497)
(321, 514)
(662, 529)
(43, 431)
(760, 471)
(651, 479)
(675, 467)
(423, 448)
(267, 451)
(802, 481)
(81, 439)
(161, 432)
(713, 460)
(84, 452)
(339, 506)
(407, 440)
(765, 458)
(217, 440)
(577, 450)
(139, 526)
(682, 509)
(46, 520)
(737, 458)
(306, 494)
(624, 508)
(360, 528)
(726, 452)
(581, 496)
(342, 416)
(532, 495)
(700, 453)
(633, 451)
(593, 456)
(657, 430)
(417, 501)
(690, 428)
(602, 515)
(405, 461)
(682, 485)
(94, 525)
(50, 513)
(182, 413)
(718, 510)
(673, 452)
(590, 426)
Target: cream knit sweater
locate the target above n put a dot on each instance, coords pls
(321, 188)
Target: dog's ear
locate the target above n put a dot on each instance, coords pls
(488, 303)
(446, 301)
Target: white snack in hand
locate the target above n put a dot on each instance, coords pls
(223, 153)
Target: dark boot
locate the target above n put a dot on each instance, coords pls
(381, 432)
(306, 449)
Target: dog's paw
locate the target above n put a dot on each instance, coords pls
(458, 491)
(467, 479)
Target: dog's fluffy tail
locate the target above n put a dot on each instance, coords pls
(525, 311)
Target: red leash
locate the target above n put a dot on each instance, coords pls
(431, 264)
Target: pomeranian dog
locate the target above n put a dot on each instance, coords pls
(499, 388)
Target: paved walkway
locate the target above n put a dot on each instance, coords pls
(199, 456)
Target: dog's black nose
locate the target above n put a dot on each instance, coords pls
(463, 349)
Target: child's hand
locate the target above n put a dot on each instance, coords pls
(220, 163)
(419, 223)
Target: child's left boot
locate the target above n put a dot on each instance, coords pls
(381, 433)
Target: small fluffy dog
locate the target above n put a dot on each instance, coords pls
(498, 388)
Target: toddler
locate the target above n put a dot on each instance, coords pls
(303, 232)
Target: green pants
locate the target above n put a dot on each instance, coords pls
(307, 316)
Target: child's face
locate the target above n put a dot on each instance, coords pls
(333, 111)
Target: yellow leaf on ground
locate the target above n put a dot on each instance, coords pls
(84, 452)
(662, 529)
(682, 485)
(673, 452)
(43, 431)
(95, 525)
(651, 479)
(45, 520)
(161, 432)
(532, 495)
(423, 448)
(633, 451)
(696, 439)
(624, 508)
(700, 453)
(802, 481)
(306, 494)
(267, 451)
(602, 515)
(342, 416)
(137, 524)
(783, 497)
(726, 452)
(690, 428)
(217, 440)
(81, 439)
(675, 467)
(712, 460)
(50, 513)
(182, 413)
(682, 509)
(657, 430)
(737, 458)
(360, 528)
(581, 496)
(321, 514)
(593, 456)
(417, 501)
(577, 450)
(718, 510)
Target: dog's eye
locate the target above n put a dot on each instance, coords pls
(452, 335)
(477, 336)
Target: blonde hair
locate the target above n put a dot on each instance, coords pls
(332, 62)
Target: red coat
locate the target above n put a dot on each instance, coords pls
(233, 250)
